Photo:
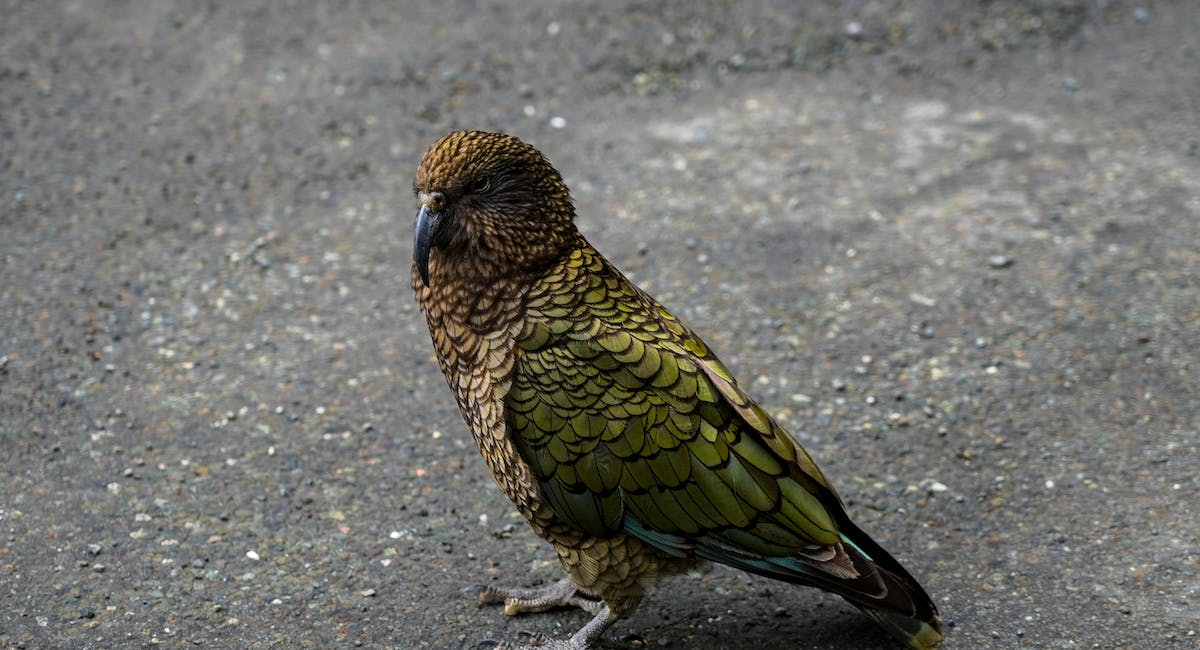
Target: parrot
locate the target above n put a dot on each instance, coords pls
(612, 427)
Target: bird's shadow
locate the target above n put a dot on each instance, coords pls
(740, 625)
(832, 632)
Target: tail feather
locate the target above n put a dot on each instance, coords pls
(857, 569)
(878, 585)
(915, 633)
(905, 609)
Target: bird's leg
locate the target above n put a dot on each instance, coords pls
(584, 639)
(522, 601)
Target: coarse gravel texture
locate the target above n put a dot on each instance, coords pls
(954, 247)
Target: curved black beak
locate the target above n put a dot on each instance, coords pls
(428, 221)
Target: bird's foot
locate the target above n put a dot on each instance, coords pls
(534, 641)
(560, 594)
(584, 639)
(522, 601)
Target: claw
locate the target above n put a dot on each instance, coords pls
(535, 639)
(489, 595)
(635, 640)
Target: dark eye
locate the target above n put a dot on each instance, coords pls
(481, 184)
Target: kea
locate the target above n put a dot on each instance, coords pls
(612, 427)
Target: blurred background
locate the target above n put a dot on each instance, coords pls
(952, 246)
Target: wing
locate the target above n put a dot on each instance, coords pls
(631, 424)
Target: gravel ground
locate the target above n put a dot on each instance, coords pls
(955, 247)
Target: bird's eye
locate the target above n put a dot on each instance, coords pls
(481, 184)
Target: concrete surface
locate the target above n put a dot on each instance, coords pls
(953, 246)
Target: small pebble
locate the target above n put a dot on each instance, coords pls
(1000, 261)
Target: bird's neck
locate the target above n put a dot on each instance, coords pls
(475, 292)
(455, 299)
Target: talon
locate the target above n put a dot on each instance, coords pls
(635, 640)
(488, 595)
(535, 638)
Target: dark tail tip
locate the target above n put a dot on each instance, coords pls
(916, 633)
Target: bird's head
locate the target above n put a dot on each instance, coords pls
(490, 205)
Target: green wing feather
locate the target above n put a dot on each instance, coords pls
(621, 411)
(632, 425)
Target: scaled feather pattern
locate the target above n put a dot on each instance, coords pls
(611, 426)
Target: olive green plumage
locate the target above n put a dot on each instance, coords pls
(613, 428)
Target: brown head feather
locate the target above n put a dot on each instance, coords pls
(503, 209)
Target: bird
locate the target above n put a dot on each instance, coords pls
(611, 426)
